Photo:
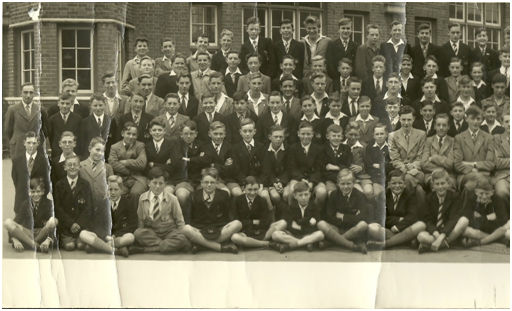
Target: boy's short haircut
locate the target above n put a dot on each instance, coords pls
(97, 97)
(106, 76)
(305, 124)
(450, 25)
(250, 180)
(378, 58)
(183, 75)
(334, 128)
(426, 80)
(210, 171)
(345, 172)
(344, 21)
(499, 78)
(207, 95)
(305, 98)
(216, 75)
(233, 52)
(255, 75)
(312, 20)
(27, 84)
(96, 140)
(156, 172)
(432, 58)
(247, 121)
(144, 76)
(203, 54)
(393, 100)
(141, 39)
(288, 78)
(334, 97)
(253, 55)
(480, 30)
(427, 103)
(129, 124)
(424, 26)
(136, 94)
(483, 184)
(275, 128)
(191, 124)
(352, 125)
(393, 75)
(275, 93)
(345, 60)
(67, 134)
(317, 75)
(171, 95)
(455, 59)
(288, 56)
(382, 126)
(285, 22)
(354, 79)
(157, 122)
(36, 182)
(396, 173)
(64, 96)
(202, 35)
(69, 82)
(476, 64)
(474, 111)
(226, 32)
(464, 80)
(146, 58)
(406, 110)
(72, 157)
(440, 173)
(372, 26)
(238, 96)
(301, 186)
(166, 39)
(487, 105)
(394, 23)
(179, 55)
(217, 125)
(318, 58)
(252, 20)
(364, 99)
(442, 116)
(457, 104)
(406, 57)
(115, 179)
(31, 134)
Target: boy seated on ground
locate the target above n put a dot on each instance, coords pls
(33, 226)
(210, 224)
(252, 211)
(487, 214)
(298, 228)
(123, 213)
(160, 221)
(401, 221)
(347, 211)
(443, 215)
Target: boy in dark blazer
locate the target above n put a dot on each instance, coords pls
(65, 120)
(158, 150)
(275, 116)
(188, 103)
(261, 46)
(426, 121)
(137, 116)
(286, 45)
(375, 86)
(394, 49)
(481, 53)
(231, 73)
(480, 88)
(458, 122)
(34, 223)
(210, 223)
(340, 48)
(168, 82)
(422, 49)
(376, 160)
(241, 112)
(170, 116)
(298, 228)
(453, 48)
(73, 206)
(96, 124)
(207, 117)
(442, 214)
(490, 124)
(67, 143)
(410, 84)
(346, 215)
(336, 156)
(219, 59)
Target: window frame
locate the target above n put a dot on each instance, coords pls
(474, 22)
(351, 15)
(211, 44)
(91, 33)
(499, 14)
(455, 19)
(32, 68)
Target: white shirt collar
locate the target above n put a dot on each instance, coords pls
(99, 117)
(279, 116)
(111, 98)
(387, 95)
(250, 143)
(357, 144)
(293, 77)
(466, 103)
(504, 71)
(320, 37)
(328, 115)
(215, 146)
(315, 117)
(28, 155)
(158, 143)
(436, 99)
(306, 147)
(479, 84)
(492, 126)
(228, 72)
(456, 43)
(172, 73)
(381, 79)
(359, 118)
(281, 148)
(396, 45)
(380, 147)
(410, 76)
(258, 101)
(220, 102)
(319, 99)
(72, 180)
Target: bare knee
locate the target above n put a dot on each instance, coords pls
(419, 226)
(9, 224)
(70, 246)
(52, 223)
(87, 236)
(374, 228)
(129, 238)
(463, 221)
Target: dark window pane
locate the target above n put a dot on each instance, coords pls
(275, 34)
(68, 74)
(31, 40)
(210, 31)
(83, 38)
(26, 60)
(196, 31)
(358, 38)
(27, 76)
(26, 41)
(197, 14)
(68, 38)
(288, 15)
(68, 59)
(452, 11)
(210, 15)
(84, 79)
(32, 65)
(84, 59)
(276, 17)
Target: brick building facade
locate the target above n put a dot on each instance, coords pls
(47, 42)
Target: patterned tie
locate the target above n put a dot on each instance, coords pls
(156, 207)
(171, 122)
(343, 81)
(30, 164)
(287, 105)
(353, 107)
(249, 203)
(427, 126)
(255, 46)
(27, 109)
(440, 142)
(114, 206)
(136, 119)
(99, 122)
(72, 185)
(157, 148)
(286, 46)
(395, 202)
(183, 103)
(249, 147)
(457, 125)
(424, 48)
(473, 136)
(208, 200)
(455, 50)
(276, 120)
(378, 88)
(440, 222)
(210, 117)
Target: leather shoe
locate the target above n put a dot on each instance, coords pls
(229, 248)
(309, 247)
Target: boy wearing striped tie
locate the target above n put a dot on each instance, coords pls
(160, 219)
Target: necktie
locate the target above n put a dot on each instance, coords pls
(157, 148)
(183, 103)
(94, 166)
(114, 206)
(440, 142)
(208, 200)
(276, 120)
(344, 45)
(30, 164)
(455, 50)
(210, 117)
(65, 118)
(136, 119)
(156, 208)
(217, 148)
(473, 136)
(255, 46)
(427, 126)
(249, 203)
(457, 125)
(440, 223)
(287, 104)
(145, 104)
(249, 147)
(395, 202)
(424, 49)
(35, 206)
(353, 107)
(99, 122)
(233, 77)
(286, 46)
(171, 122)
(72, 185)
(27, 109)
(305, 150)
(378, 89)
(343, 80)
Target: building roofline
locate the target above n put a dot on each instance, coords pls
(72, 20)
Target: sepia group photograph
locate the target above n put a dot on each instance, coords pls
(255, 154)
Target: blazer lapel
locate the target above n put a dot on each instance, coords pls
(479, 141)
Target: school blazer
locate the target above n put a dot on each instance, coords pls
(453, 91)
(452, 211)
(374, 155)
(181, 170)
(230, 85)
(452, 132)
(481, 93)
(166, 84)
(192, 107)
(419, 124)
(406, 208)
(233, 124)
(296, 49)
(219, 62)
(31, 218)
(294, 109)
(418, 60)
(266, 52)
(446, 53)
(162, 66)
(56, 127)
(142, 128)
(445, 152)
(17, 123)
(275, 169)
(481, 151)
(490, 59)
(57, 170)
(496, 206)
(413, 89)
(363, 61)
(496, 130)
(275, 85)
(170, 217)
(73, 206)
(402, 152)
(212, 159)
(203, 126)
(502, 156)
(248, 163)
(89, 129)
(356, 209)
(366, 131)
(136, 156)
(258, 211)
(265, 123)
(225, 109)
(159, 158)
(335, 52)
(243, 84)
(124, 218)
(393, 59)
(293, 213)
(171, 132)
(217, 215)
(307, 166)
(368, 88)
(342, 158)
